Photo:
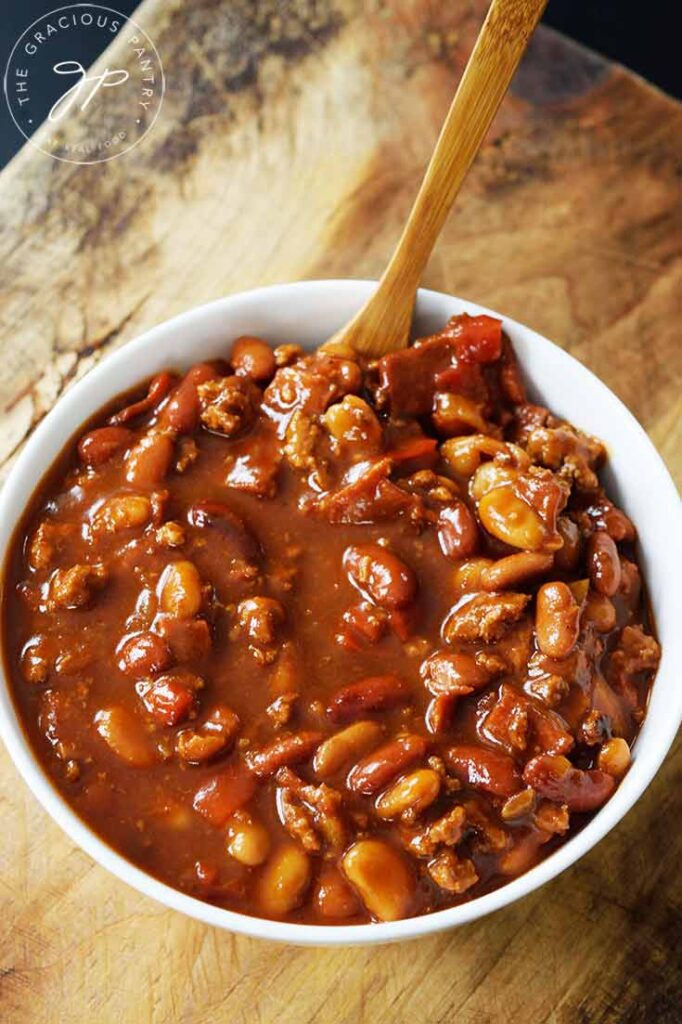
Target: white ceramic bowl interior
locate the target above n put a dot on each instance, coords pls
(307, 313)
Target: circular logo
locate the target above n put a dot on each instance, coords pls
(72, 109)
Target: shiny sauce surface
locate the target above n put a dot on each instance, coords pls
(331, 641)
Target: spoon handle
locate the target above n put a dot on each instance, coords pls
(383, 324)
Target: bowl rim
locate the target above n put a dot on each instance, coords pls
(16, 492)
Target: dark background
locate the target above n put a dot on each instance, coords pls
(641, 36)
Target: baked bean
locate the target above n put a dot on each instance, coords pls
(464, 454)
(377, 769)
(225, 793)
(468, 575)
(457, 531)
(614, 757)
(353, 424)
(555, 778)
(343, 747)
(379, 575)
(512, 520)
(248, 841)
(568, 555)
(125, 734)
(284, 881)
(375, 693)
(557, 620)
(123, 512)
(490, 475)
(149, 461)
(456, 414)
(334, 897)
(98, 446)
(181, 411)
(252, 357)
(413, 794)
(382, 878)
(282, 752)
(518, 805)
(487, 770)
(515, 570)
(180, 594)
(143, 654)
(600, 612)
(603, 563)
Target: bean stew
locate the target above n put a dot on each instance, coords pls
(331, 640)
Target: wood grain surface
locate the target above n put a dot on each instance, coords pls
(291, 141)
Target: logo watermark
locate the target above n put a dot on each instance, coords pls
(76, 115)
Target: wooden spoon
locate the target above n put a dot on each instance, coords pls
(383, 323)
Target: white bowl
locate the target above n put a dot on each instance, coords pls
(307, 313)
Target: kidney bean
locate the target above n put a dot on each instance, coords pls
(149, 461)
(557, 620)
(614, 757)
(125, 735)
(170, 698)
(143, 654)
(458, 534)
(554, 777)
(222, 795)
(380, 576)
(282, 752)
(234, 536)
(248, 841)
(343, 747)
(603, 563)
(488, 770)
(377, 769)
(438, 714)
(334, 897)
(412, 793)
(252, 357)
(180, 593)
(159, 387)
(382, 877)
(181, 411)
(97, 447)
(453, 673)
(374, 693)
(515, 570)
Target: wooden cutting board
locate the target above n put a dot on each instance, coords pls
(291, 141)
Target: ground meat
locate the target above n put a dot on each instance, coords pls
(74, 587)
(229, 405)
(486, 617)
(452, 873)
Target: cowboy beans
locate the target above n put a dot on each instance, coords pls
(329, 641)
